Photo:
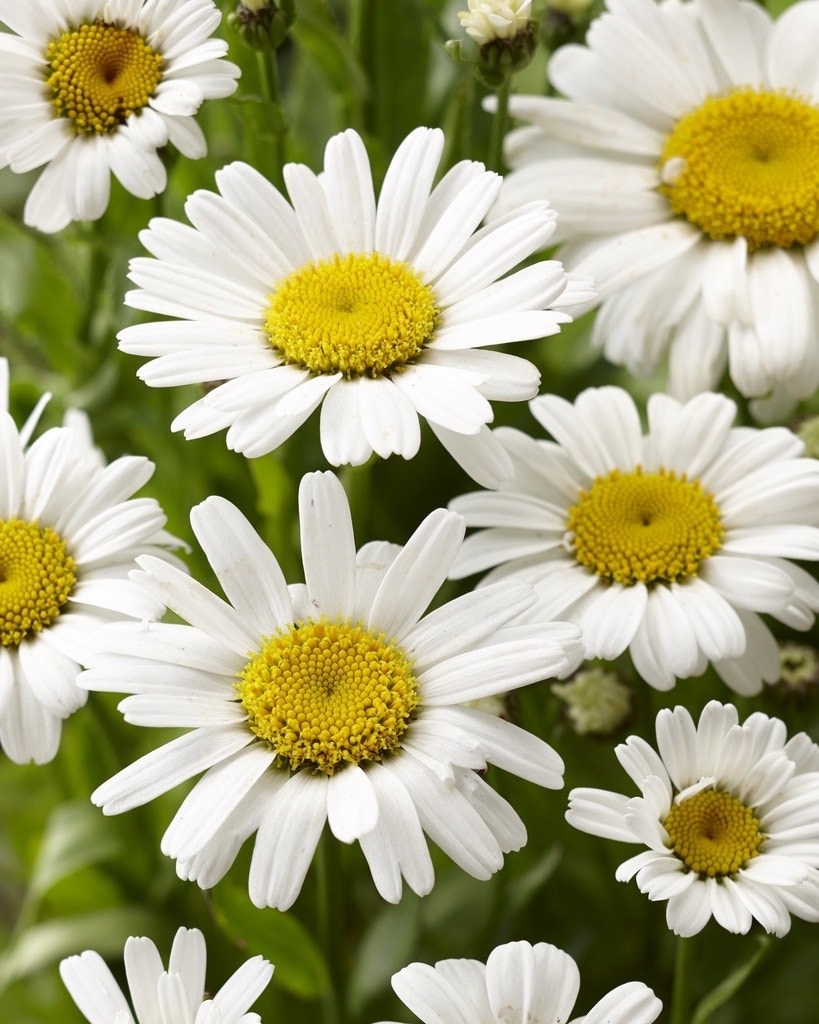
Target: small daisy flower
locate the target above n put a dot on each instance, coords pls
(519, 984)
(331, 701)
(69, 532)
(488, 20)
(730, 816)
(667, 543)
(684, 164)
(175, 996)
(93, 88)
(380, 313)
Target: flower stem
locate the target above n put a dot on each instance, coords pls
(499, 126)
(328, 917)
(680, 993)
(267, 62)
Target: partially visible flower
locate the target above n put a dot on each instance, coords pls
(730, 816)
(519, 984)
(808, 434)
(487, 20)
(684, 164)
(597, 702)
(173, 996)
(380, 313)
(667, 543)
(94, 88)
(69, 533)
(332, 701)
(262, 24)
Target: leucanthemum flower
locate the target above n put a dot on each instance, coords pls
(684, 168)
(173, 996)
(95, 87)
(730, 816)
(667, 543)
(380, 313)
(69, 532)
(331, 701)
(519, 984)
(487, 20)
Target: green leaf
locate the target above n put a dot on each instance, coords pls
(720, 995)
(282, 938)
(44, 944)
(521, 890)
(386, 946)
(76, 836)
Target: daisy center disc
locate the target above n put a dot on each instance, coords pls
(36, 577)
(100, 74)
(640, 527)
(357, 314)
(713, 833)
(327, 694)
(747, 164)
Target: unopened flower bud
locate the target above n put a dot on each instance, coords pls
(597, 703)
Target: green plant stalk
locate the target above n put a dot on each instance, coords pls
(680, 992)
(499, 125)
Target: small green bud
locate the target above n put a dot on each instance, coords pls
(262, 24)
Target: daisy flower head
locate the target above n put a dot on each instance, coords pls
(488, 20)
(173, 996)
(729, 814)
(520, 983)
(684, 163)
(69, 532)
(668, 542)
(379, 312)
(336, 701)
(93, 88)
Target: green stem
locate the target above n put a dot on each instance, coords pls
(681, 991)
(267, 62)
(328, 914)
(499, 126)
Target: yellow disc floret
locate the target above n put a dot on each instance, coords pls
(713, 833)
(100, 75)
(357, 314)
(36, 577)
(327, 693)
(747, 164)
(640, 527)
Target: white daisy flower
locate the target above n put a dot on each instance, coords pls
(487, 20)
(95, 87)
(685, 168)
(667, 543)
(730, 819)
(69, 532)
(175, 996)
(519, 984)
(380, 313)
(349, 708)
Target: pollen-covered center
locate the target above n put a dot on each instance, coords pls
(357, 314)
(713, 833)
(100, 74)
(328, 693)
(36, 577)
(747, 164)
(640, 527)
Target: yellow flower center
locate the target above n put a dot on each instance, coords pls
(100, 74)
(631, 527)
(358, 314)
(36, 577)
(713, 833)
(327, 693)
(747, 164)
